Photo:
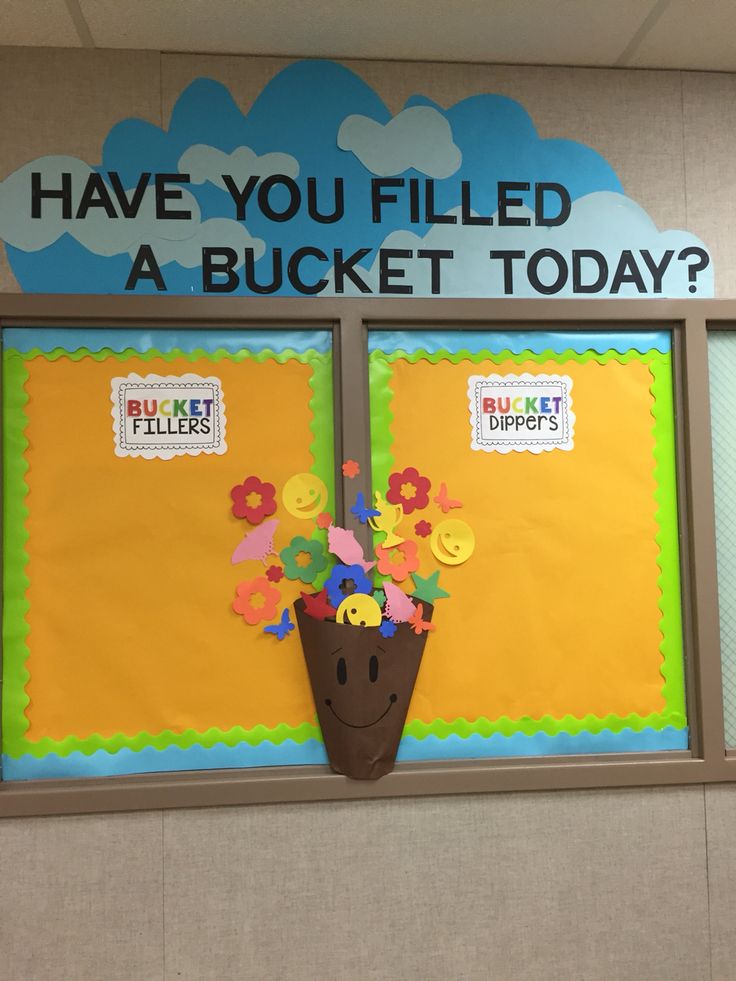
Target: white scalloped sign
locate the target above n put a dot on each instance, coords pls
(522, 413)
(162, 417)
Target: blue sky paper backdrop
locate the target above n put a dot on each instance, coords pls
(317, 119)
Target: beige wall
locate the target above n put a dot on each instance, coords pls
(605, 885)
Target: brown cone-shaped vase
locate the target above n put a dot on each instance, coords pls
(362, 684)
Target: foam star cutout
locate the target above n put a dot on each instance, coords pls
(317, 605)
(428, 589)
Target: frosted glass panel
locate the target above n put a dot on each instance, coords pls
(722, 359)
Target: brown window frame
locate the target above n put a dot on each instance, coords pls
(707, 761)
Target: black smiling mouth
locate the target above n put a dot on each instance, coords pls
(367, 725)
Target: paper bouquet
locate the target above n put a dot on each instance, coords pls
(364, 624)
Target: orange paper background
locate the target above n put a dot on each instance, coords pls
(557, 610)
(129, 559)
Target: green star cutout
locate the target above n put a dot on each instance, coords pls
(428, 589)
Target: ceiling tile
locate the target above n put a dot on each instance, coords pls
(504, 31)
(43, 23)
(690, 34)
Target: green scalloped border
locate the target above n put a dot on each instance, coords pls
(672, 668)
(15, 536)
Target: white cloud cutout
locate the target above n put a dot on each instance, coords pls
(418, 137)
(213, 233)
(603, 221)
(207, 163)
(172, 240)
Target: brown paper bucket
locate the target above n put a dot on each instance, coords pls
(362, 685)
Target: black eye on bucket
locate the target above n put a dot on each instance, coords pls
(342, 671)
(373, 668)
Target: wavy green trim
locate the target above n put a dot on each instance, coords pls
(525, 724)
(499, 357)
(166, 738)
(15, 625)
(15, 536)
(672, 669)
(667, 538)
(176, 354)
(323, 444)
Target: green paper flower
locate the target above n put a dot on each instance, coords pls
(296, 547)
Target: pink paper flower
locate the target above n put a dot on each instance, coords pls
(253, 500)
(398, 562)
(422, 528)
(409, 489)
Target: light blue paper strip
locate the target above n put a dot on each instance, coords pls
(516, 341)
(70, 339)
(289, 753)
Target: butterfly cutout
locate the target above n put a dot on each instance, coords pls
(445, 502)
(361, 512)
(416, 623)
(283, 628)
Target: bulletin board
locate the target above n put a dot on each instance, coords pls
(121, 650)
(131, 644)
(563, 633)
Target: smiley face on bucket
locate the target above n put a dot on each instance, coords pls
(360, 610)
(361, 694)
(304, 495)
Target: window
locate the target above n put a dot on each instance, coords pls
(578, 644)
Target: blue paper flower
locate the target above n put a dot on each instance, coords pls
(344, 580)
(387, 629)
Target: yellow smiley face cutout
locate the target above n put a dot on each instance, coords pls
(359, 609)
(304, 495)
(452, 541)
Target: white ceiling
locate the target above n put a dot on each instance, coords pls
(687, 34)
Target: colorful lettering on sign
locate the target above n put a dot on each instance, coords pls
(521, 412)
(166, 417)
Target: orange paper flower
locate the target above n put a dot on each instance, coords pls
(389, 563)
(350, 469)
(245, 592)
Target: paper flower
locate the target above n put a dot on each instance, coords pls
(387, 629)
(398, 562)
(253, 500)
(422, 528)
(350, 469)
(409, 489)
(345, 580)
(324, 520)
(316, 559)
(245, 593)
(274, 573)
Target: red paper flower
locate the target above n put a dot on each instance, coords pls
(253, 500)
(274, 573)
(350, 469)
(422, 528)
(245, 593)
(398, 562)
(409, 489)
(324, 520)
